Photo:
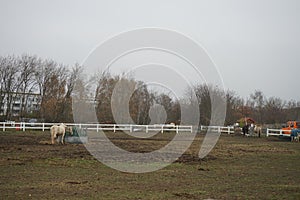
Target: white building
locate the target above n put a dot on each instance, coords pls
(31, 103)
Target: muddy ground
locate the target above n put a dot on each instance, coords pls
(237, 168)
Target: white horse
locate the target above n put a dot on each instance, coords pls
(59, 130)
(258, 130)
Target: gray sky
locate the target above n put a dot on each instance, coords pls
(254, 43)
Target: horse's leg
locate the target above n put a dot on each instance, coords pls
(62, 138)
(52, 138)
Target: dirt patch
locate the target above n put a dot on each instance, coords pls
(186, 195)
(76, 182)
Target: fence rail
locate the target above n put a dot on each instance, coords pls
(278, 132)
(23, 126)
(219, 129)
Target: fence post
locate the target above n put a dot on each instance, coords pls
(24, 126)
(162, 129)
(146, 128)
(177, 129)
(267, 132)
(43, 127)
(3, 126)
(228, 128)
(219, 129)
(130, 128)
(97, 128)
(114, 128)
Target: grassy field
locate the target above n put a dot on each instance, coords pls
(238, 168)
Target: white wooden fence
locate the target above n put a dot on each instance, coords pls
(98, 127)
(23, 126)
(278, 132)
(219, 129)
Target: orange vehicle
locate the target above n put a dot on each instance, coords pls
(291, 125)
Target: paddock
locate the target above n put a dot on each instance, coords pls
(237, 168)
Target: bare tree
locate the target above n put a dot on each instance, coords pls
(190, 107)
(9, 83)
(53, 87)
(72, 78)
(43, 75)
(234, 104)
(2, 93)
(27, 66)
(292, 110)
(258, 101)
(122, 99)
(74, 74)
(203, 95)
(274, 110)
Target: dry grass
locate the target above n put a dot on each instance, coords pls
(237, 168)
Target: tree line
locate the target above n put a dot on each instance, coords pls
(23, 76)
(55, 83)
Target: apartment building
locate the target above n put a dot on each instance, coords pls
(31, 103)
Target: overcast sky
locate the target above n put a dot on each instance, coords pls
(254, 43)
